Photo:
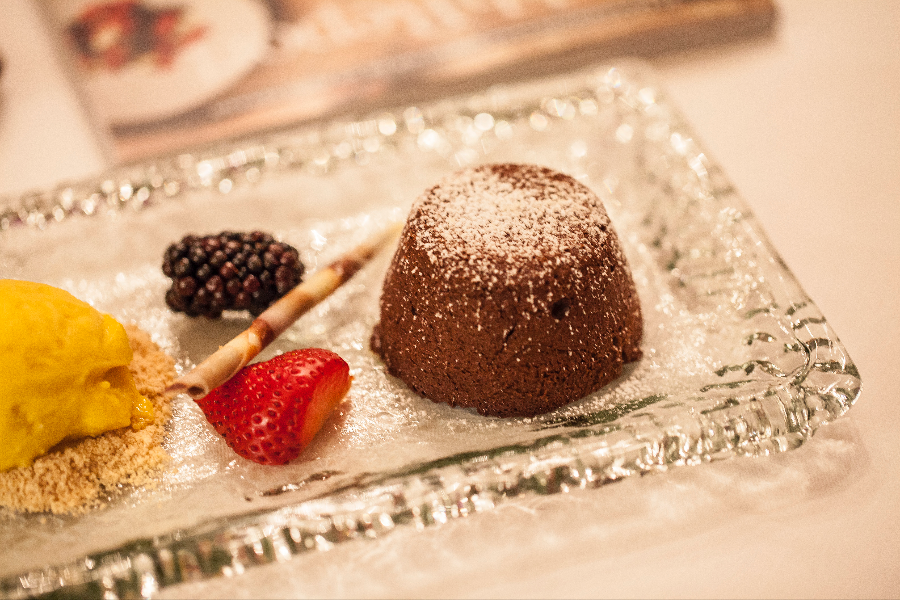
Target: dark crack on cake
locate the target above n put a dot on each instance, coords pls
(509, 293)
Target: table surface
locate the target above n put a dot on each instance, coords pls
(806, 123)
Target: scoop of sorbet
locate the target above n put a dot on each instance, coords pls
(63, 372)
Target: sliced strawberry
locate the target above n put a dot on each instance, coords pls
(270, 411)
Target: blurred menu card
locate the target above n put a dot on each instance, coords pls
(164, 75)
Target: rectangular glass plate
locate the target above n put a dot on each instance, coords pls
(737, 359)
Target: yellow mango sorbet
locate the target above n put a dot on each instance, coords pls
(63, 372)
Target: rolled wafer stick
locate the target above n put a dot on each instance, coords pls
(225, 362)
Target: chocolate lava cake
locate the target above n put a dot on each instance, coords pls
(509, 293)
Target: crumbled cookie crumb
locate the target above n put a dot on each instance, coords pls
(77, 476)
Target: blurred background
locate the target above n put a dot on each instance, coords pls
(151, 77)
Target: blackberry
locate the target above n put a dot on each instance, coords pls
(229, 271)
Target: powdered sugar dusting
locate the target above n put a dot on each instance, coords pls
(494, 220)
